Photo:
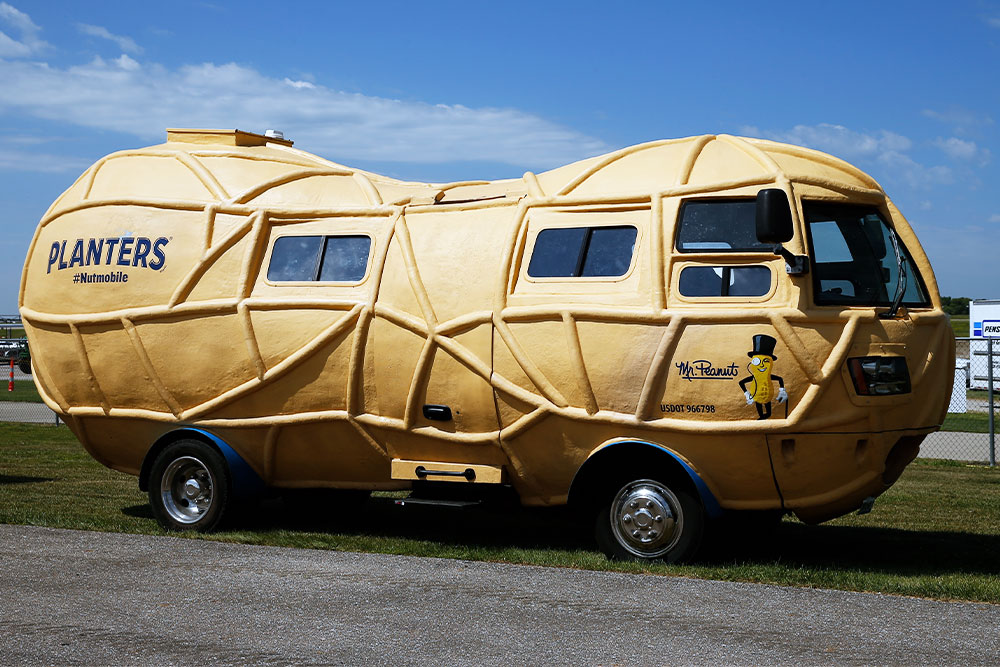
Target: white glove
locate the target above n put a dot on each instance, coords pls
(749, 397)
(782, 395)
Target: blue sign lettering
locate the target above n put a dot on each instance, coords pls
(134, 251)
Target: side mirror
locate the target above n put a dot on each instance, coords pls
(774, 216)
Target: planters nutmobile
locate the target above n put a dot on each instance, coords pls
(223, 313)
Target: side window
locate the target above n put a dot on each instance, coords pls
(294, 258)
(854, 261)
(345, 259)
(710, 281)
(719, 225)
(577, 252)
(319, 258)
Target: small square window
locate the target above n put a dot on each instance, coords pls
(319, 258)
(709, 281)
(726, 225)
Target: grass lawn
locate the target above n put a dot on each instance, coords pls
(24, 390)
(972, 422)
(935, 534)
(960, 325)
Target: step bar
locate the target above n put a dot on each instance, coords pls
(437, 471)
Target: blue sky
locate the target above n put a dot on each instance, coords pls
(437, 91)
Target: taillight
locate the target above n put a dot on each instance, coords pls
(879, 376)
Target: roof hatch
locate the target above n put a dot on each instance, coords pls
(224, 137)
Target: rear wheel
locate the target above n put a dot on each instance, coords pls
(646, 519)
(189, 487)
(25, 366)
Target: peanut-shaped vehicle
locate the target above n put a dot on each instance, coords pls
(223, 313)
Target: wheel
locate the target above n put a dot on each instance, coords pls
(25, 366)
(189, 486)
(646, 519)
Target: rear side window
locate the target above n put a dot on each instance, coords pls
(723, 225)
(580, 252)
(319, 258)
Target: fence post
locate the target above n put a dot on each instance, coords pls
(989, 380)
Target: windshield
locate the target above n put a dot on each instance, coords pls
(853, 259)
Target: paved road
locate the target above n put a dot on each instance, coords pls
(21, 411)
(957, 446)
(73, 597)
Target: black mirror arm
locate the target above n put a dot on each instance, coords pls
(795, 265)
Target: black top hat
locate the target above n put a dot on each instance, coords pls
(763, 344)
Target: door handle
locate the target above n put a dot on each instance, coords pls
(440, 413)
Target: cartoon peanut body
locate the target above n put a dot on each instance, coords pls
(760, 381)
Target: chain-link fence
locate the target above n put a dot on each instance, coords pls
(968, 433)
(19, 399)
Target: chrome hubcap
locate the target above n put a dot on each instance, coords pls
(187, 489)
(646, 518)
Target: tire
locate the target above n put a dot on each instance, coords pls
(189, 487)
(25, 366)
(646, 519)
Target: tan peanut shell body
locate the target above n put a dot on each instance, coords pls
(322, 384)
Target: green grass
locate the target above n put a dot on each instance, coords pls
(971, 422)
(24, 390)
(960, 325)
(935, 534)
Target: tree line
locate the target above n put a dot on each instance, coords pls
(958, 305)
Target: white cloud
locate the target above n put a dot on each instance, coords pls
(840, 141)
(965, 151)
(126, 63)
(993, 22)
(17, 18)
(995, 217)
(142, 99)
(11, 48)
(913, 173)
(29, 42)
(962, 121)
(298, 84)
(33, 161)
(126, 44)
(882, 149)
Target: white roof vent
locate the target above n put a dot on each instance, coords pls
(274, 134)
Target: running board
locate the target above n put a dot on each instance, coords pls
(440, 502)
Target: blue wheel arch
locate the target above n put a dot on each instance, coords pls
(708, 499)
(244, 481)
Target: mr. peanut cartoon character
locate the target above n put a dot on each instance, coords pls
(761, 388)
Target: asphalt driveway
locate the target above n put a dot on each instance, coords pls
(72, 597)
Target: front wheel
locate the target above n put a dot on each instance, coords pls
(189, 486)
(645, 519)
